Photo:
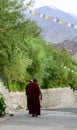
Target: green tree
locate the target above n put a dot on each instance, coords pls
(36, 53)
(13, 56)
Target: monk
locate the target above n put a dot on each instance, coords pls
(26, 93)
(34, 94)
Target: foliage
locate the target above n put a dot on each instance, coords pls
(25, 55)
(72, 78)
(2, 105)
(13, 56)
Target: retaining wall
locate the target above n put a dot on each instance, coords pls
(51, 98)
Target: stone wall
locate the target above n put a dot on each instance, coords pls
(75, 95)
(8, 99)
(57, 97)
(18, 99)
(14, 100)
(51, 98)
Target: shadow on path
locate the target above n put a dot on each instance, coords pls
(71, 108)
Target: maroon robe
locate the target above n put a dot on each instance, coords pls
(34, 93)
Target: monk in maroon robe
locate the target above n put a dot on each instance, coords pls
(34, 94)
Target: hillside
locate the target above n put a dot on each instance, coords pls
(69, 45)
(51, 31)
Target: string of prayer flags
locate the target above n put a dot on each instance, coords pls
(72, 71)
(52, 19)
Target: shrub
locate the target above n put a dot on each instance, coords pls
(2, 105)
(17, 87)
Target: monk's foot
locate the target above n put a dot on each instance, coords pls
(36, 115)
(32, 115)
